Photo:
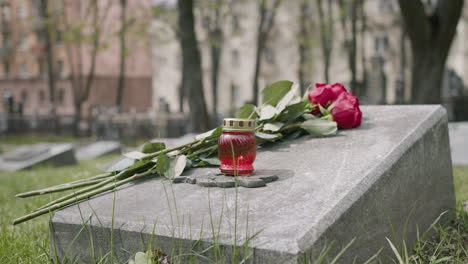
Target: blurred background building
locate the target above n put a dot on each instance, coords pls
(228, 37)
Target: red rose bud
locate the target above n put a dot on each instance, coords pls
(326, 93)
(338, 89)
(349, 97)
(346, 111)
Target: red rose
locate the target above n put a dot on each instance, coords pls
(346, 111)
(321, 95)
(324, 94)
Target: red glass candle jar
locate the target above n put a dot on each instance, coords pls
(237, 148)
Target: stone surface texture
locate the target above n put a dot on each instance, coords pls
(25, 157)
(396, 168)
(98, 149)
(459, 143)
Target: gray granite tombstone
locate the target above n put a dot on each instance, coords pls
(97, 149)
(393, 170)
(459, 143)
(26, 157)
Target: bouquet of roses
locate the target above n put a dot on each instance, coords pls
(282, 116)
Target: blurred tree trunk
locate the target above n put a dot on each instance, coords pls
(431, 36)
(215, 41)
(47, 30)
(363, 86)
(303, 39)
(348, 15)
(79, 30)
(191, 68)
(267, 19)
(123, 53)
(326, 35)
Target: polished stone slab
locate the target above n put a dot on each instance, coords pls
(393, 170)
(26, 157)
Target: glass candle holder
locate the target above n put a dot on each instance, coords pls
(237, 148)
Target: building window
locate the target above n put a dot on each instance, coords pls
(24, 96)
(235, 58)
(42, 97)
(22, 11)
(381, 44)
(41, 66)
(59, 68)
(5, 13)
(6, 69)
(23, 44)
(59, 37)
(235, 23)
(206, 22)
(60, 96)
(24, 70)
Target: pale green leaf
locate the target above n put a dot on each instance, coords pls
(273, 93)
(177, 166)
(267, 137)
(214, 132)
(287, 98)
(143, 258)
(318, 127)
(267, 112)
(273, 127)
(248, 111)
(309, 116)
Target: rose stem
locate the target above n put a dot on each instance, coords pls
(79, 198)
(119, 176)
(58, 188)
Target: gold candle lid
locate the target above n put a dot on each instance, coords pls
(238, 124)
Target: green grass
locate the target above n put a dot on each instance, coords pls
(29, 243)
(460, 175)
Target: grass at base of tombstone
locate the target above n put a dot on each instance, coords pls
(29, 242)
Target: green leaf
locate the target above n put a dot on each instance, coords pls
(212, 161)
(135, 155)
(273, 127)
(176, 166)
(273, 93)
(268, 137)
(162, 164)
(214, 132)
(287, 98)
(152, 147)
(247, 111)
(318, 127)
(267, 112)
(293, 112)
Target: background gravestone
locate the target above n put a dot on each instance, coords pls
(97, 149)
(394, 169)
(459, 143)
(26, 157)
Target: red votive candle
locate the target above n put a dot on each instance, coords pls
(237, 148)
